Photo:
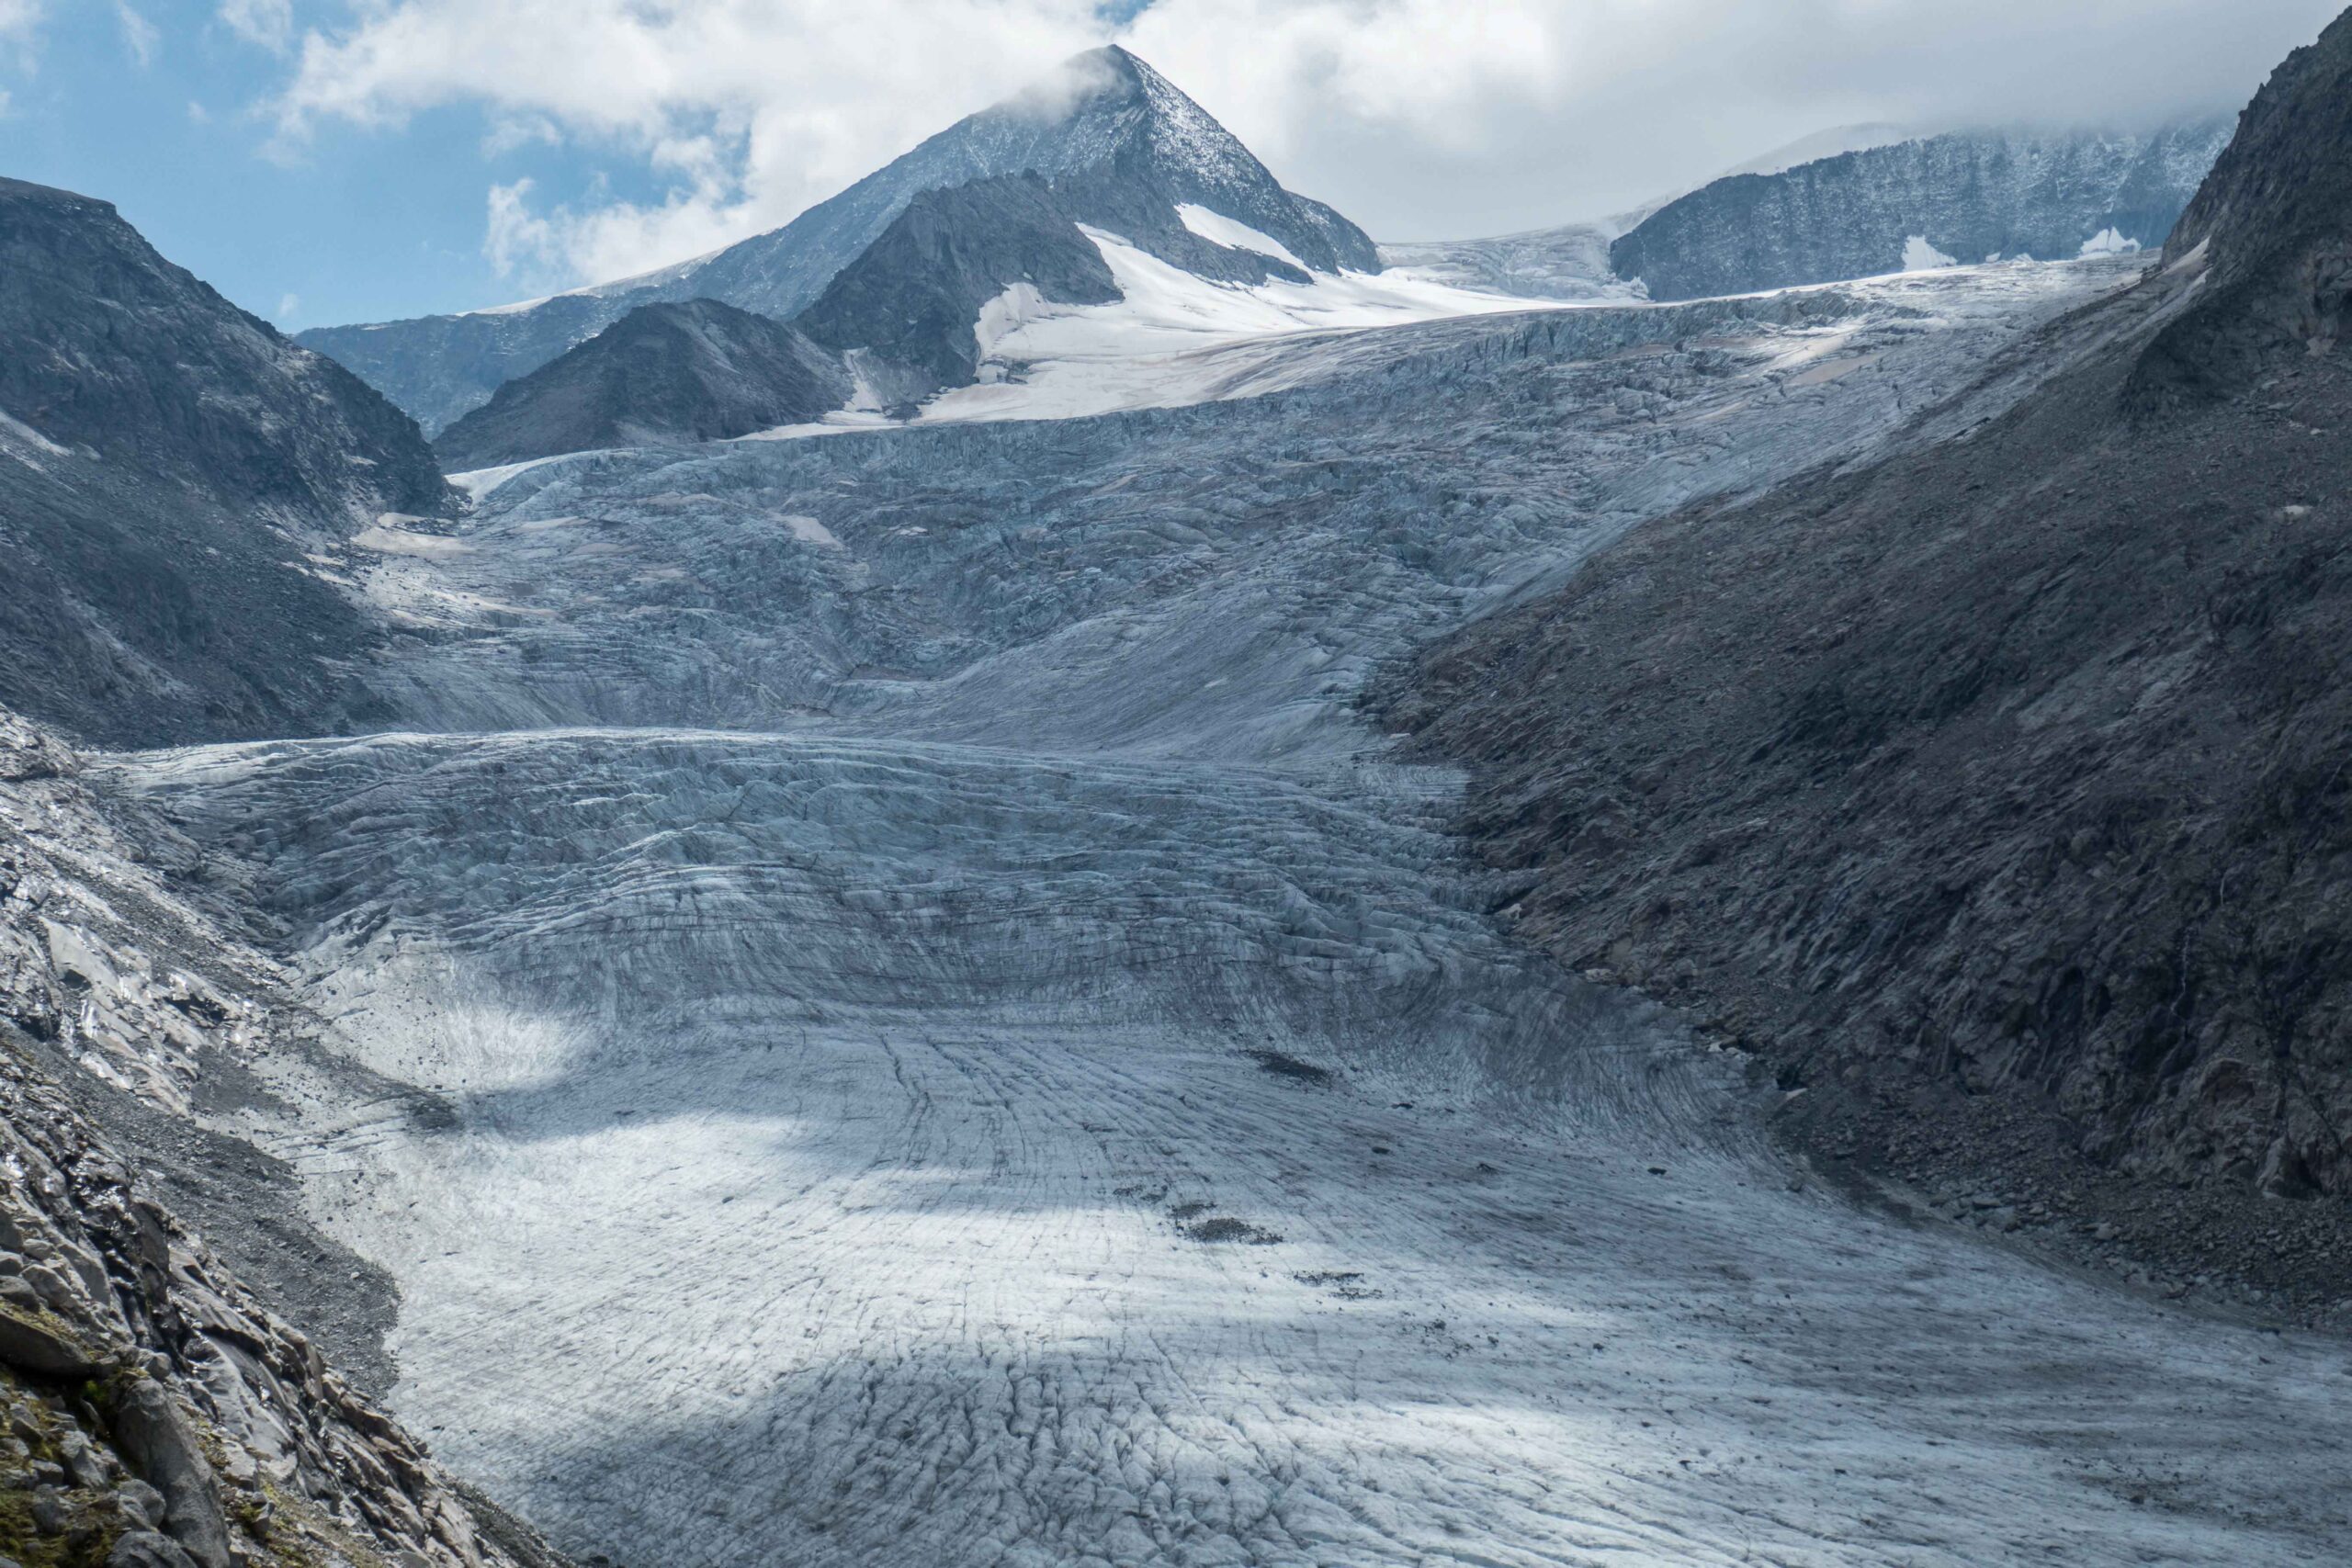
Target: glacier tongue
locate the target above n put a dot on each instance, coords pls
(1038, 1089)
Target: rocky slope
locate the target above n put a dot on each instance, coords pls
(159, 1411)
(2266, 235)
(662, 375)
(1992, 796)
(175, 480)
(1969, 195)
(1101, 109)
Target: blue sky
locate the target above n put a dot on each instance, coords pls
(326, 161)
(352, 223)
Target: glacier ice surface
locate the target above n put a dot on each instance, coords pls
(919, 1027)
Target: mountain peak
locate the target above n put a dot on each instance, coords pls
(1105, 118)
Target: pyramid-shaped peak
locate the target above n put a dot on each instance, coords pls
(1105, 80)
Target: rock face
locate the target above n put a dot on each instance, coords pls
(662, 375)
(1969, 197)
(2267, 233)
(168, 466)
(906, 308)
(155, 1410)
(1103, 108)
(1993, 793)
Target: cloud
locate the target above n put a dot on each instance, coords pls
(138, 34)
(1418, 117)
(19, 29)
(269, 23)
(749, 109)
(290, 306)
(515, 239)
(511, 133)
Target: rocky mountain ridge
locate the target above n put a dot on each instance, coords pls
(662, 374)
(1967, 196)
(177, 482)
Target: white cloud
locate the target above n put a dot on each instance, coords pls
(516, 240)
(752, 110)
(197, 114)
(18, 19)
(290, 306)
(511, 133)
(138, 34)
(1418, 117)
(269, 23)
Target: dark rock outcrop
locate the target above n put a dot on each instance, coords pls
(174, 481)
(1969, 195)
(662, 375)
(2268, 237)
(1104, 108)
(1995, 794)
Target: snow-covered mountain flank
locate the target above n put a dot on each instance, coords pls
(1103, 112)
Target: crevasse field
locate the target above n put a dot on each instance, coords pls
(914, 1023)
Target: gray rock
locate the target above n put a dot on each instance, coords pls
(2065, 861)
(89, 1466)
(162, 1447)
(147, 1549)
(141, 1503)
(44, 1349)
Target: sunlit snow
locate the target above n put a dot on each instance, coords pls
(1219, 229)
(1920, 256)
(1046, 360)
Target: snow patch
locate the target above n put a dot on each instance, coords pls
(1003, 316)
(2109, 241)
(1920, 256)
(1219, 229)
(1170, 338)
(809, 531)
(480, 483)
(11, 425)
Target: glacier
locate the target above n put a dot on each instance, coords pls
(887, 1007)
